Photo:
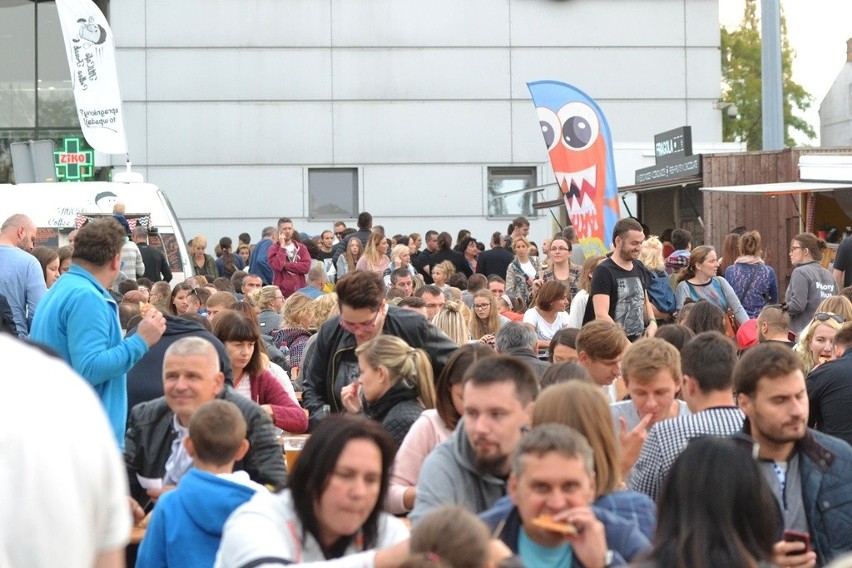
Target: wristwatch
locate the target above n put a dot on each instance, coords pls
(609, 559)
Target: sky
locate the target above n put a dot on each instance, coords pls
(817, 31)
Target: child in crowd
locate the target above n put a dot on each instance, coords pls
(186, 525)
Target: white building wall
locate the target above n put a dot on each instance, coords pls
(230, 103)
(835, 111)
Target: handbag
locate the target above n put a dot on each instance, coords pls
(731, 324)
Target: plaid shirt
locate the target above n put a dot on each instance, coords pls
(668, 438)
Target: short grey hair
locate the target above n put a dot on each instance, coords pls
(268, 232)
(558, 438)
(316, 273)
(189, 346)
(514, 335)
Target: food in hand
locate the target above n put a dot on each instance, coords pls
(144, 307)
(547, 523)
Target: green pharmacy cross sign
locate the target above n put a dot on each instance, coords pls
(74, 163)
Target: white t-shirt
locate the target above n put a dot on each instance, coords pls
(543, 329)
(63, 485)
(528, 269)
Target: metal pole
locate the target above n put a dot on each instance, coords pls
(772, 88)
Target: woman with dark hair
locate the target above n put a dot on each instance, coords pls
(65, 254)
(677, 334)
(810, 283)
(229, 262)
(582, 405)
(433, 427)
(705, 316)
(396, 384)
(564, 372)
(754, 283)
(716, 509)
(698, 281)
(548, 315)
(469, 248)
(445, 252)
(584, 287)
(330, 514)
(730, 251)
(563, 346)
(560, 267)
(240, 335)
(48, 258)
(178, 301)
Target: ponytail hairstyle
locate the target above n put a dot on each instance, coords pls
(406, 365)
(699, 254)
(226, 244)
(812, 243)
(750, 244)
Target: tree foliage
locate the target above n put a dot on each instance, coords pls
(741, 66)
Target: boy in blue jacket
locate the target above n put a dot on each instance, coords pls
(186, 525)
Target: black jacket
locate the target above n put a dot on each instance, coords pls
(156, 265)
(145, 378)
(150, 433)
(529, 357)
(397, 410)
(320, 370)
(494, 261)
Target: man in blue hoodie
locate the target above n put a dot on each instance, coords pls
(553, 477)
(187, 523)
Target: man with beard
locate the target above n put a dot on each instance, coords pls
(620, 284)
(470, 469)
(810, 473)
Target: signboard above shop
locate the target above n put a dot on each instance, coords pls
(673, 157)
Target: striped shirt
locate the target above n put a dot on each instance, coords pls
(668, 438)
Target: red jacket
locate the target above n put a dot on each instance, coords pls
(289, 275)
(286, 414)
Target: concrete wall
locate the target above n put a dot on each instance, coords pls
(230, 103)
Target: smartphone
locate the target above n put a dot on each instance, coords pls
(796, 536)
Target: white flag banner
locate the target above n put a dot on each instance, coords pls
(91, 57)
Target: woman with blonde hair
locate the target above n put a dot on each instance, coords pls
(400, 258)
(522, 272)
(839, 305)
(659, 290)
(815, 343)
(754, 283)
(395, 386)
(584, 407)
(441, 272)
(347, 261)
(324, 308)
(451, 320)
(269, 300)
(485, 320)
(297, 314)
(375, 257)
(584, 287)
(202, 263)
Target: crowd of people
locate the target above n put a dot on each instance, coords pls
(463, 405)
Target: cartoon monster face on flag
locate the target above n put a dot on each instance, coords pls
(580, 146)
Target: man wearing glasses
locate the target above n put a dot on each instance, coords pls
(364, 314)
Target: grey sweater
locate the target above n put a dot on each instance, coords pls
(448, 477)
(810, 284)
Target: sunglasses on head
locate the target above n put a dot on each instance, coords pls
(825, 316)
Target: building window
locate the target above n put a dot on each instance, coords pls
(505, 195)
(333, 193)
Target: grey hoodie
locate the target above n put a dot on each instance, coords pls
(448, 477)
(810, 284)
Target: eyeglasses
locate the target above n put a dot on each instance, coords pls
(481, 306)
(365, 327)
(825, 316)
(793, 248)
(340, 234)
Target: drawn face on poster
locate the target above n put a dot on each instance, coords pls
(579, 145)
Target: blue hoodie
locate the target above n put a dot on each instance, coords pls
(186, 526)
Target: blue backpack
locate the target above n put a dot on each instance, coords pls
(660, 292)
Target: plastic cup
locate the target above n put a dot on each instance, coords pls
(292, 449)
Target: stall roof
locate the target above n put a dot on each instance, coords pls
(781, 188)
(662, 184)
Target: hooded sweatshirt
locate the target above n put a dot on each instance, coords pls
(145, 378)
(449, 477)
(187, 523)
(810, 284)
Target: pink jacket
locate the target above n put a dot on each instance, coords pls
(286, 414)
(425, 434)
(289, 275)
